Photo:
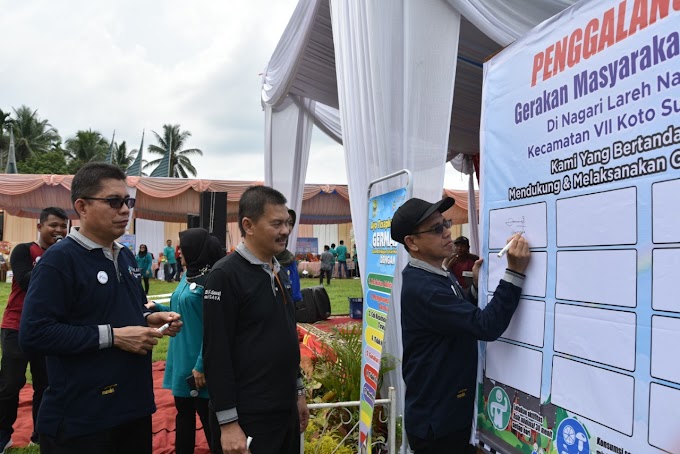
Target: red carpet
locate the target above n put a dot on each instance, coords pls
(163, 419)
(23, 427)
(313, 337)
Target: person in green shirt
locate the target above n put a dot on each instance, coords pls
(184, 366)
(342, 259)
(170, 261)
(144, 263)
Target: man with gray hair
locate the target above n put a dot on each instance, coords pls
(441, 325)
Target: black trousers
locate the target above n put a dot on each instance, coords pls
(13, 378)
(328, 276)
(133, 437)
(146, 285)
(185, 424)
(456, 443)
(283, 439)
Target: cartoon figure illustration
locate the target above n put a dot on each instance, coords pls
(498, 408)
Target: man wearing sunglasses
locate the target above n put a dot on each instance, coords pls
(441, 325)
(85, 311)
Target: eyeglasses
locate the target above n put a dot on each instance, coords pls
(115, 202)
(437, 229)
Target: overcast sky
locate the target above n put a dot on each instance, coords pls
(131, 65)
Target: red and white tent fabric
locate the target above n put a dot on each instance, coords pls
(159, 199)
(171, 199)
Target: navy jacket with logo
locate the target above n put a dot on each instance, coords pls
(440, 332)
(74, 293)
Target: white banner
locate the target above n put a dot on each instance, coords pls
(581, 153)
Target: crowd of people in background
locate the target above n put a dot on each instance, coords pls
(332, 255)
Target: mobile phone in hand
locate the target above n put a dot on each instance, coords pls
(191, 382)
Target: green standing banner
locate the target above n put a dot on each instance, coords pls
(381, 261)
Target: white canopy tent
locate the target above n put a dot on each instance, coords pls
(398, 82)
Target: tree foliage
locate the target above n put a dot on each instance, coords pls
(5, 122)
(39, 149)
(121, 157)
(31, 134)
(51, 162)
(180, 163)
(85, 146)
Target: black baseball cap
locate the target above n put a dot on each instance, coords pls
(413, 212)
(462, 239)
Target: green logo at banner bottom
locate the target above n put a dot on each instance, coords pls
(498, 408)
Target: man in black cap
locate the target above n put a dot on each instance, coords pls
(460, 263)
(441, 325)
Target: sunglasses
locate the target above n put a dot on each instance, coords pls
(115, 202)
(437, 229)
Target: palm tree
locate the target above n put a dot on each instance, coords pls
(5, 123)
(121, 157)
(86, 146)
(31, 134)
(180, 164)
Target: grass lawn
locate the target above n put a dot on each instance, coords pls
(338, 292)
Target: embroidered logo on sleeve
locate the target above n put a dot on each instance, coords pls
(110, 389)
(212, 295)
(135, 272)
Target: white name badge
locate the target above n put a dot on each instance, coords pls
(102, 277)
(467, 273)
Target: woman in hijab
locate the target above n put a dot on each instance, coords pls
(184, 366)
(144, 264)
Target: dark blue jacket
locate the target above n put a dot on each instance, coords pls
(440, 332)
(74, 293)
